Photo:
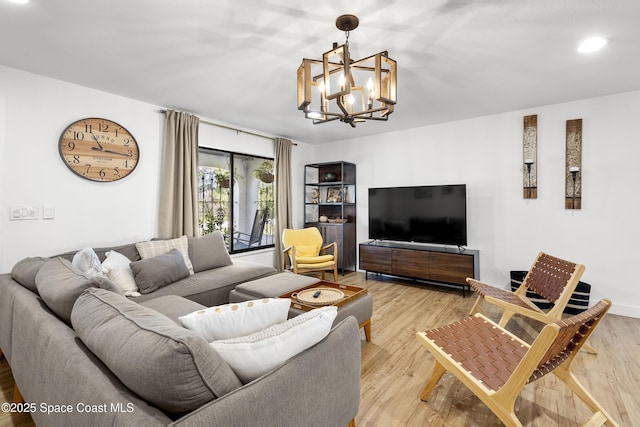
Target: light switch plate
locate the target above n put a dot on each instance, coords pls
(48, 212)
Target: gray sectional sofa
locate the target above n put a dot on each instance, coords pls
(116, 360)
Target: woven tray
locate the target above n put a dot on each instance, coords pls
(327, 296)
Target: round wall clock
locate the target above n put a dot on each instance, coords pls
(98, 149)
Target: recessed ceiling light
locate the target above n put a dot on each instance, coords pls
(592, 44)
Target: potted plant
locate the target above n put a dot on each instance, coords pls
(264, 172)
(222, 177)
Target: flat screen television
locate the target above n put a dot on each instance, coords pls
(426, 214)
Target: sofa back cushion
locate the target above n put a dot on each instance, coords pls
(208, 251)
(171, 367)
(59, 284)
(25, 271)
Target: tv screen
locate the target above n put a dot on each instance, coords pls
(425, 214)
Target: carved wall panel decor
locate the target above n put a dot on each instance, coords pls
(530, 157)
(573, 165)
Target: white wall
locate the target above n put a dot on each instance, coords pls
(35, 111)
(486, 154)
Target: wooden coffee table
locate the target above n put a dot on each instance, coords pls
(351, 294)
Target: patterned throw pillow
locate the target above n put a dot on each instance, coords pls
(238, 319)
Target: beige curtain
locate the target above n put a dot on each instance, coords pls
(179, 180)
(282, 194)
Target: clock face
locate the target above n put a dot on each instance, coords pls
(98, 149)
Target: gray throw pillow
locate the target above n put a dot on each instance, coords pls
(59, 284)
(171, 367)
(208, 251)
(154, 273)
(25, 271)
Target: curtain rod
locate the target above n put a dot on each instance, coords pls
(234, 129)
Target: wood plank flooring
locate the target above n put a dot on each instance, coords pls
(395, 367)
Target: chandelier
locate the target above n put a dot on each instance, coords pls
(339, 88)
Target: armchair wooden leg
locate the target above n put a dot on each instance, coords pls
(322, 275)
(438, 372)
(589, 348)
(476, 306)
(367, 329)
(1, 355)
(17, 396)
(352, 423)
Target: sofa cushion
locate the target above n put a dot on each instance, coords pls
(116, 267)
(208, 251)
(154, 248)
(236, 320)
(173, 306)
(25, 271)
(254, 355)
(59, 284)
(151, 274)
(169, 366)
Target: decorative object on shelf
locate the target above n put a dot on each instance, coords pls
(573, 165)
(338, 220)
(363, 90)
(315, 195)
(323, 218)
(530, 155)
(264, 172)
(329, 177)
(335, 195)
(98, 149)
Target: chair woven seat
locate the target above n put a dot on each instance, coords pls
(487, 353)
(498, 293)
(495, 365)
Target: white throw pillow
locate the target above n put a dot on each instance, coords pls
(254, 355)
(87, 262)
(153, 248)
(238, 319)
(116, 267)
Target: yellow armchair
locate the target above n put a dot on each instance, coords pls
(306, 252)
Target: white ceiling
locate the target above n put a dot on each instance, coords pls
(236, 61)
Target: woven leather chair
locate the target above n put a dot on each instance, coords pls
(495, 364)
(552, 278)
(307, 253)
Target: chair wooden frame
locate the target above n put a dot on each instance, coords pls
(495, 364)
(552, 278)
(290, 253)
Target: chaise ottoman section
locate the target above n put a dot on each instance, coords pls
(283, 283)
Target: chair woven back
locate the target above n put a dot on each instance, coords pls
(549, 276)
(573, 332)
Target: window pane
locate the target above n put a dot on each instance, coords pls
(252, 202)
(213, 195)
(235, 197)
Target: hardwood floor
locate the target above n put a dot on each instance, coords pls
(395, 367)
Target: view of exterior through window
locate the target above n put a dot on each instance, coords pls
(235, 197)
